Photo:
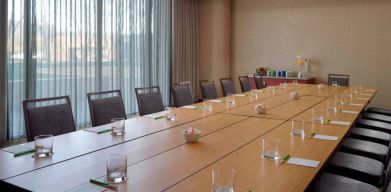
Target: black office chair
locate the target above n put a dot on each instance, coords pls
(228, 86)
(342, 80)
(105, 106)
(208, 89)
(259, 81)
(329, 182)
(48, 116)
(244, 83)
(357, 167)
(381, 111)
(149, 100)
(182, 94)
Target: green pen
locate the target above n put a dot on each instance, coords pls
(285, 159)
(24, 153)
(103, 184)
(161, 117)
(104, 131)
(312, 135)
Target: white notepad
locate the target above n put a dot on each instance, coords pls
(21, 148)
(240, 95)
(99, 129)
(349, 111)
(216, 101)
(155, 115)
(303, 162)
(356, 104)
(366, 94)
(362, 98)
(325, 137)
(334, 122)
(190, 107)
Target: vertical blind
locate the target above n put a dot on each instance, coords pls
(72, 47)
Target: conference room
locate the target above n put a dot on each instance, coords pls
(195, 95)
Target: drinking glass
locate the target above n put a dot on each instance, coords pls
(270, 148)
(170, 113)
(295, 82)
(339, 99)
(223, 180)
(283, 85)
(334, 83)
(118, 126)
(318, 115)
(116, 166)
(230, 98)
(207, 105)
(43, 146)
(253, 94)
(332, 106)
(348, 94)
(298, 128)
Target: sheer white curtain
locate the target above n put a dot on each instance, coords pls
(72, 47)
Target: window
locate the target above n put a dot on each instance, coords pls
(72, 47)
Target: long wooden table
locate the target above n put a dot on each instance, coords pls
(159, 159)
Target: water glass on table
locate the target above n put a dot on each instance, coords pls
(334, 83)
(270, 148)
(298, 128)
(253, 94)
(171, 113)
(118, 126)
(339, 99)
(116, 166)
(223, 180)
(318, 116)
(332, 106)
(230, 98)
(43, 146)
(207, 105)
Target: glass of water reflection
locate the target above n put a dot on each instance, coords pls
(223, 180)
(116, 166)
(171, 113)
(270, 148)
(118, 126)
(43, 146)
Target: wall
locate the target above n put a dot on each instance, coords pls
(215, 28)
(347, 37)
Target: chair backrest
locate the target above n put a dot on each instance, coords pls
(259, 81)
(228, 86)
(244, 83)
(182, 95)
(208, 89)
(105, 106)
(149, 100)
(387, 183)
(342, 80)
(48, 116)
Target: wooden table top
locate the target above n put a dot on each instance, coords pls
(258, 174)
(159, 159)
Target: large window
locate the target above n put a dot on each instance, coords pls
(72, 47)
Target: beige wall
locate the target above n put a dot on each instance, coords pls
(215, 28)
(338, 36)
